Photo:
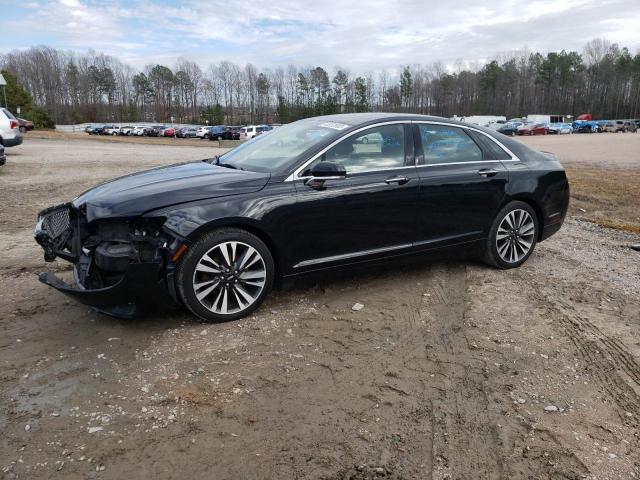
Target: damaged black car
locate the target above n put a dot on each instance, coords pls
(318, 194)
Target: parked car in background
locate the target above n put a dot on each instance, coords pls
(510, 128)
(215, 133)
(216, 235)
(169, 132)
(3, 158)
(155, 130)
(600, 125)
(249, 131)
(630, 126)
(187, 132)
(584, 126)
(615, 126)
(10, 134)
(138, 130)
(202, 131)
(560, 128)
(260, 129)
(126, 130)
(25, 125)
(533, 129)
(95, 130)
(109, 130)
(224, 133)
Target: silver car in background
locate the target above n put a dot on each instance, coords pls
(10, 135)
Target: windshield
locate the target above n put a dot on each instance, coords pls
(270, 153)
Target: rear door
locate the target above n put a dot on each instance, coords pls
(462, 184)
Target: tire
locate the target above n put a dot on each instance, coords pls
(500, 251)
(201, 271)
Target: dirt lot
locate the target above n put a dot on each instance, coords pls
(451, 370)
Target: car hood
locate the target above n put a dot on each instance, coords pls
(141, 192)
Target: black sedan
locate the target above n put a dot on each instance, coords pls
(214, 235)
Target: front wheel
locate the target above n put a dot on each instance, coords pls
(513, 236)
(225, 275)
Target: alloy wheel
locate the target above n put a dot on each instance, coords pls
(515, 235)
(229, 277)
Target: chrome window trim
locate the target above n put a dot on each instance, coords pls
(514, 157)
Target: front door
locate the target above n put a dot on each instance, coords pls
(370, 213)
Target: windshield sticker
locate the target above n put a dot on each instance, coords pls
(335, 126)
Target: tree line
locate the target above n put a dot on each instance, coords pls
(72, 87)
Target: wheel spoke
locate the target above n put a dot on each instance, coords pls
(208, 259)
(223, 307)
(203, 268)
(245, 257)
(223, 247)
(244, 293)
(509, 220)
(204, 293)
(252, 275)
(502, 233)
(524, 244)
(527, 229)
(503, 249)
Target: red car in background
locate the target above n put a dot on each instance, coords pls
(533, 129)
(169, 132)
(25, 125)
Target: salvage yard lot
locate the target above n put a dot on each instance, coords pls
(451, 369)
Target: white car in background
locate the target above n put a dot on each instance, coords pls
(126, 130)
(10, 135)
(112, 130)
(138, 130)
(560, 128)
(251, 131)
(202, 131)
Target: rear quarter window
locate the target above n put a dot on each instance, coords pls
(9, 114)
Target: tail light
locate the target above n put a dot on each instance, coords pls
(13, 123)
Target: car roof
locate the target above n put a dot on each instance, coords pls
(357, 119)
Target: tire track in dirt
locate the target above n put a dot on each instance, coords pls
(605, 358)
(464, 434)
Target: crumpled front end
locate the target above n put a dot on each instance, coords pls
(122, 267)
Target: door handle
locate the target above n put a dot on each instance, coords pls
(487, 172)
(400, 180)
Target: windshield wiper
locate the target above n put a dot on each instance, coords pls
(228, 165)
(225, 165)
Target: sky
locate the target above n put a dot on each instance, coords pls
(361, 36)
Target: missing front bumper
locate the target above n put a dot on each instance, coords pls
(138, 292)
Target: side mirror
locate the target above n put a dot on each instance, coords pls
(323, 171)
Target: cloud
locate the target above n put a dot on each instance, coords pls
(361, 36)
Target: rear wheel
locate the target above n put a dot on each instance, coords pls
(225, 275)
(513, 236)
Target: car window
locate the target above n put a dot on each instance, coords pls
(445, 144)
(377, 148)
(492, 151)
(8, 114)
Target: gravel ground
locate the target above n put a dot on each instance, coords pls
(450, 370)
